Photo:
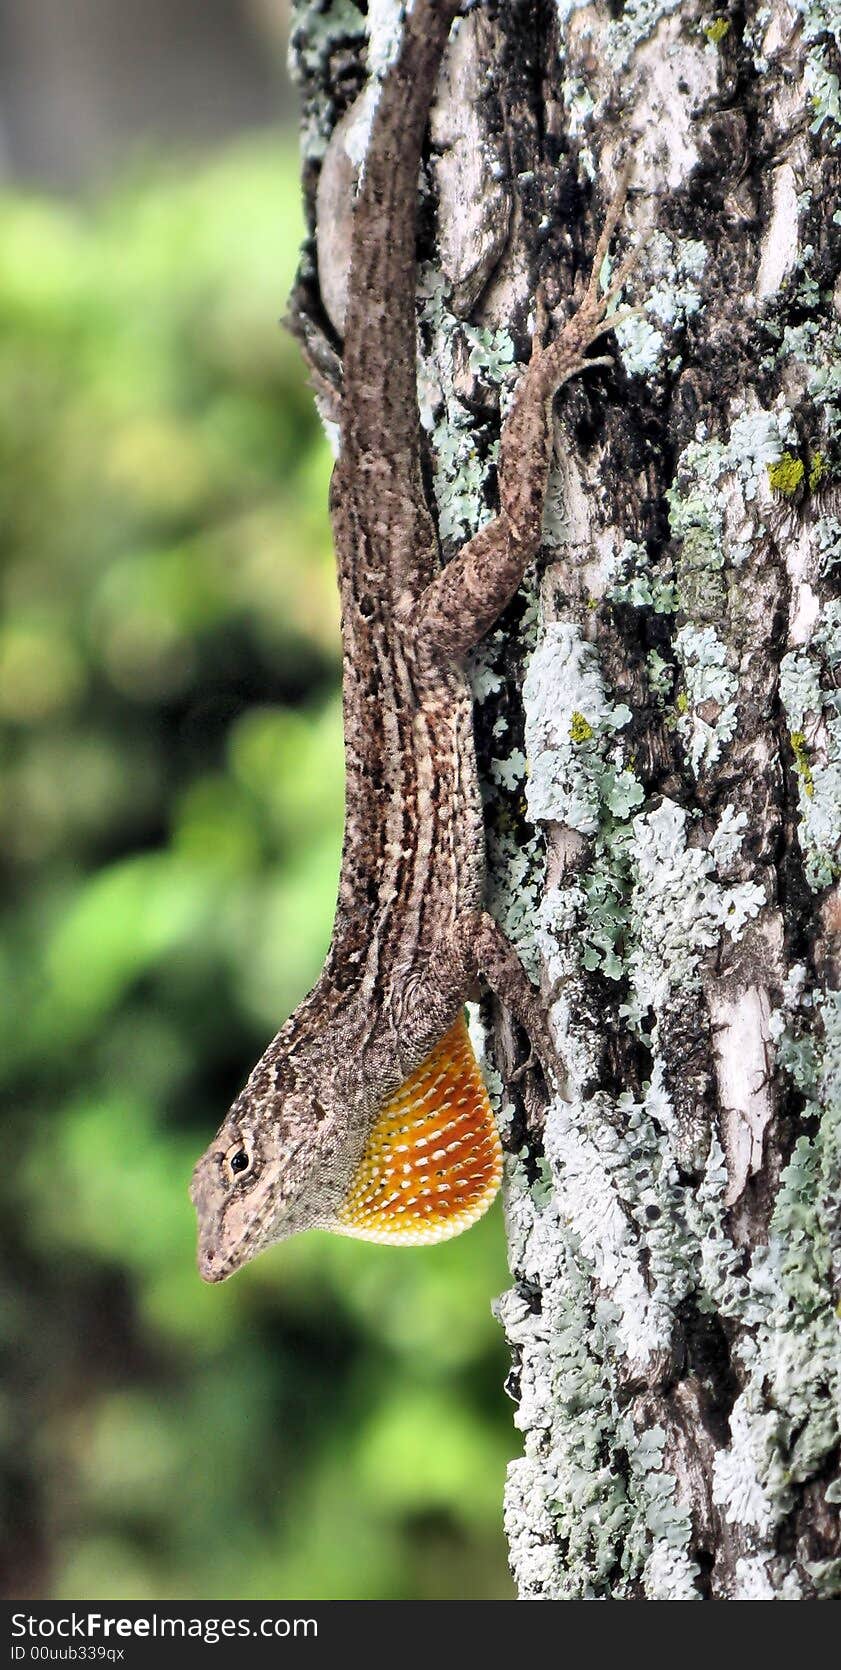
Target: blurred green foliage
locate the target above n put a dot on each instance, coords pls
(331, 1422)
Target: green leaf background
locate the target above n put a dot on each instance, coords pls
(332, 1422)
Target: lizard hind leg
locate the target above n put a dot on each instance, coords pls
(433, 1161)
(485, 951)
(462, 602)
(566, 357)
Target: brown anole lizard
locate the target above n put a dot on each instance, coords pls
(367, 1113)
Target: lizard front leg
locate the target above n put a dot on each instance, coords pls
(463, 601)
(475, 948)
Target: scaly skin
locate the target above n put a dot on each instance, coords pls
(410, 934)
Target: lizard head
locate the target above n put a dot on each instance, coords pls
(267, 1174)
(308, 1146)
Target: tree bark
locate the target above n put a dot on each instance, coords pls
(660, 730)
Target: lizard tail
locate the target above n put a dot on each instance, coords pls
(379, 408)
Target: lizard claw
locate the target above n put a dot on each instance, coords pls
(525, 1067)
(566, 357)
(612, 218)
(545, 1060)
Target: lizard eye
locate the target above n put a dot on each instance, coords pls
(239, 1161)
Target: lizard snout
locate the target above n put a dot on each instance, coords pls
(203, 1192)
(211, 1268)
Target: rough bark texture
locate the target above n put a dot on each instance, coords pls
(660, 725)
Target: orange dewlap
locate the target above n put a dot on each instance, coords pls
(433, 1162)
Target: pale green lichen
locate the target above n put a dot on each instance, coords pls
(316, 31)
(582, 781)
(619, 1192)
(317, 26)
(607, 1493)
(622, 1243)
(637, 23)
(827, 545)
(825, 96)
(574, 779)
(753, 37)
(586, 785)
(709, 681)
(812, 703)
(749, 1477)
(491, 353)
(714, 504)
(678, 909)
(660, 675)
(641, 582)
(785, 1422)
(755, 441)
(612, 1272)
(669, 273)
(821, 25)
(509, 773)
(814, 343)
(516, 867)
(460, 469)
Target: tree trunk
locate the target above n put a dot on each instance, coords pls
(660, 730)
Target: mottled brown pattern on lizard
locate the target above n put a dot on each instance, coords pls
(410, 934)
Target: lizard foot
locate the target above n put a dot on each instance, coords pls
(484, 948)
(531, 1062)
(567, 355)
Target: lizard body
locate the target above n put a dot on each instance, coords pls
(367, 1113)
